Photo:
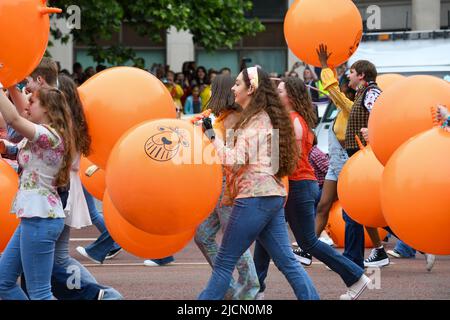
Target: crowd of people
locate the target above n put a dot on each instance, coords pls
(44, 133)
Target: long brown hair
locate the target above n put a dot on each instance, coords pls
(58, 113)
(82, 137)
(222, 98)
(300, 100)
(266, 99)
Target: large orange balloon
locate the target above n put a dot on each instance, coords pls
(336, 228)
(116, 100)
(9, 183)
(359, 188)
(93, 178)
(384, 81)
(138, 242)
(157, 178)
(416, 191)
(336, 23)
(22, 43)
(402, 111)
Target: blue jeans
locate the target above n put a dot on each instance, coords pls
(257, 219)
(354, 233)
(354, 240)
(300, 214)
(100, 248)
(247, 285)
(31, 250)
(405, 250)
(71, 280)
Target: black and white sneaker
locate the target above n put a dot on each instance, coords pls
(303, 257)
(113, 253)
(378, 258)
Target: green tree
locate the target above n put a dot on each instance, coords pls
(213, 23)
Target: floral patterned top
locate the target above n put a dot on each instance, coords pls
(40, 160)
(249, 165)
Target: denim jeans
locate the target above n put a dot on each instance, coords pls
(300, 214)
(405, 250)
(257, 219)
(31, 250)
(338, 156)
(354, 240)
(70, 279)
(247, 285)
(100, 248)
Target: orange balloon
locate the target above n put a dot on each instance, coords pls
(93, 178)
(116, 100)
(158, 177)
(9, 183)
(23, 44)
(138, 242)
(416, 191)
(359, 186)
(336, 228)
(335, 23)
(402, 111)
(384, 81)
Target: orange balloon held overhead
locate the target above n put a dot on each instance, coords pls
(336, 228)
(163, 176)
(403, 111)
(138, 242)
(415, 192)
(384, 81)
(9, 184)
(359, 188)
(25, 27)
(117, 99)
(335, 23)
(92, 178)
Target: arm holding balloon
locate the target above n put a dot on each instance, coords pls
(443, 115)
(365, 134)
(331, 84)
(13, 118)
(19, 99)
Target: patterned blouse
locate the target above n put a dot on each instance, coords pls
(40, 160)
(249, 166)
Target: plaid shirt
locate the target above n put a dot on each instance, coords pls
(319, 161)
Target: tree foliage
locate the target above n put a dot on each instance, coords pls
(213, 23)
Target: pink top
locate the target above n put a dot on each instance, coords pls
(248, 163)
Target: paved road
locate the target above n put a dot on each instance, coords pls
(183, 280)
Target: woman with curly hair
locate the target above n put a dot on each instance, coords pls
(227, 113)
(304, 193)
(264, 151)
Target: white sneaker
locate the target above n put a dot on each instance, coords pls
(259, 296)
(294, 244)
(83, 252)
(429, 258)
(101, 294)
(328, 241)
(354, 291)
